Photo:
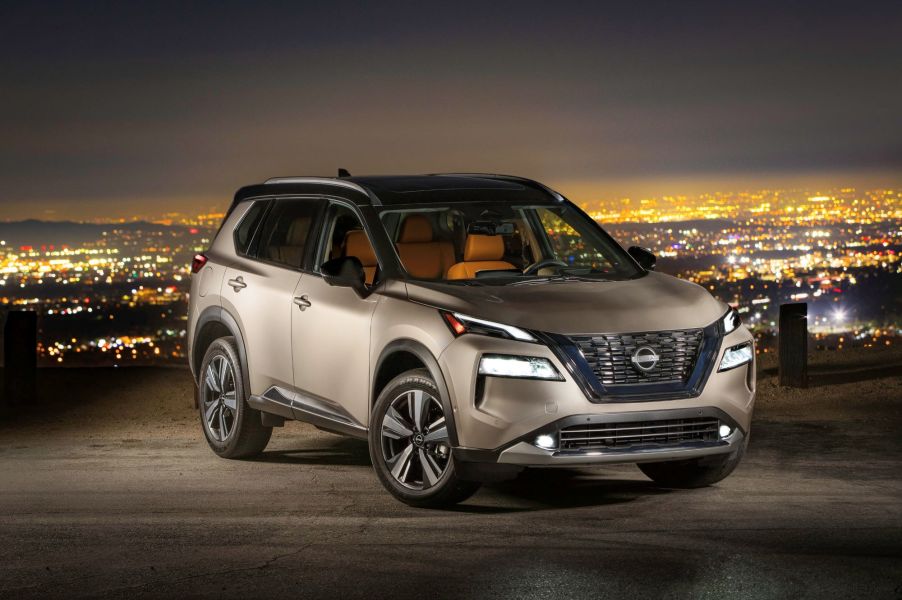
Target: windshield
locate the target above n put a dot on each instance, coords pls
(503, 244)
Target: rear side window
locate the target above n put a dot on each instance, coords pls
(286, 230)
(249, 223)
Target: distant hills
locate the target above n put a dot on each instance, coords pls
(68, 233)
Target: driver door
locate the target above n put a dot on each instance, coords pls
(330, 333)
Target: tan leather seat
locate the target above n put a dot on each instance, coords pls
(357, 244)
(292, 251)
(482, 253)
(421, 256)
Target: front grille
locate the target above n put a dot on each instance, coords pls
(599, 436)
(609, 355)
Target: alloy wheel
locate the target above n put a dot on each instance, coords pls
(415, 440)
(220, 398)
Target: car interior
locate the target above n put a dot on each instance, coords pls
(435, 245)
(442, 245)
(422, 255)
(451, 244)
(348, 238)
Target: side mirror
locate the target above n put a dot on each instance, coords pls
(346, 271)
(644, 257)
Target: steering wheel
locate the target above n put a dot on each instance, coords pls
(534, 268)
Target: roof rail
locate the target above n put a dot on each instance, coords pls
(326, 181)
(531, 182)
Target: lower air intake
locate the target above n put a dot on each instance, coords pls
(600, 436)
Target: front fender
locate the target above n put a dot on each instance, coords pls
(425, 356)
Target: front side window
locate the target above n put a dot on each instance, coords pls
(501, 243)
(283, 237)
(344, 236)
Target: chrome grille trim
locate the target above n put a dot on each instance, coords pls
(599, 436)
(609, 355)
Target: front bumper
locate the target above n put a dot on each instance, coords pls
(637, 444)
(526, 453)
(499, 419)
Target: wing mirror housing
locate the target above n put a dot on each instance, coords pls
(644, 257)
(345, 271)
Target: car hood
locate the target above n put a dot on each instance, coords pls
(653, 302)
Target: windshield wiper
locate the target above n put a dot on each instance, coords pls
(532, 281)
(561, 278)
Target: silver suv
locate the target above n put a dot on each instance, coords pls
(467, 326)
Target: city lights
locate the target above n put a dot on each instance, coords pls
(753, 250)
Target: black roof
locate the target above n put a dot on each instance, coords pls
(406, 184)
(393, 190)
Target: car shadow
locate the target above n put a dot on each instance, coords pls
(532, 490)
(341, 452)
(533, 493)
(571, 488)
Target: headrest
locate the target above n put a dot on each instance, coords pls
(483, 247)
(415, 229)
(357, 244)
(297, 232)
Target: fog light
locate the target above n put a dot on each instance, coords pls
(725, 430)
(545, 441)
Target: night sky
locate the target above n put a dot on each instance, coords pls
(131, 108)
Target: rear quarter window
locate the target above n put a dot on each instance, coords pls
(244, 233)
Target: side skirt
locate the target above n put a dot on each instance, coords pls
(320, 413)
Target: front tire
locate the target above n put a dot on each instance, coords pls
(694, 473)
(409, 444)
(233, 429)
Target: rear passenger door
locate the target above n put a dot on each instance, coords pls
(258, 286)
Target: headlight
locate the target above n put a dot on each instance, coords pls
(731, 321)
(461, 324)
(523, 367)
(736, 356)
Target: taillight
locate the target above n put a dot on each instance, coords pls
(198, 263)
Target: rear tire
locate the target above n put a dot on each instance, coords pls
(694, 473)
(232, 428)
(409, 444)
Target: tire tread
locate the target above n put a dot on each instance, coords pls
(252, 436)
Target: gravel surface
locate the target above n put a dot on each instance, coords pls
(107, 489)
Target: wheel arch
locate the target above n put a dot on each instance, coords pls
(216, 322)
(403, 355)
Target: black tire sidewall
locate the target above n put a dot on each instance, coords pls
(226, 347)
(450, 488)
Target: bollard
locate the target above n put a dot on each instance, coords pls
(20, 355)
(793, 345)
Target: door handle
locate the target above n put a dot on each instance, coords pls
(303, 302)
(237, 283)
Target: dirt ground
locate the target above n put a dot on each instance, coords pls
(107, 489)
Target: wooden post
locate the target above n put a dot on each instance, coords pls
(20, 356)
(793, 345)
